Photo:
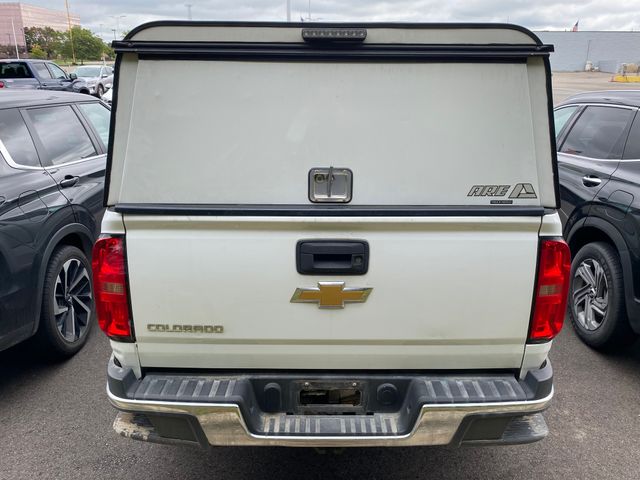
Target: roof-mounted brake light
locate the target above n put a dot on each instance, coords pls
(334, 34)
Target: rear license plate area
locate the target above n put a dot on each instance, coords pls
(330, 398)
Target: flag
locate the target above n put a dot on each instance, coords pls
(575, 27)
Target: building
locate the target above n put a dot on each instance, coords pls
(605, 50)
(24, 15)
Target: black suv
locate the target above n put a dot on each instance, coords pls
(52, 163)
(598, 136)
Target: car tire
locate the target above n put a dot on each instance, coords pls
(596, 298)
(68, 312)
(100, 90)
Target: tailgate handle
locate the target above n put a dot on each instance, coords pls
(332, 257)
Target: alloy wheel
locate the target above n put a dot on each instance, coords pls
(590, 294)
(73, 300)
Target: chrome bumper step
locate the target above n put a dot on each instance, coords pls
(325, 425)
(240, 409)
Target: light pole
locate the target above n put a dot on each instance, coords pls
(15, 39)
(114, 33)
(117, 17)
(288, 10)
(188, 5)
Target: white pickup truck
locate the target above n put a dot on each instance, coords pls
(331, 235)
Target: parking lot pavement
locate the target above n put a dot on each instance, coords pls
(55, 422)
(566, 84)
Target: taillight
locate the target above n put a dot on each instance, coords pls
(110, 288)
(1, 84)
(552, 287)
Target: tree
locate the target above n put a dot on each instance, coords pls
(49, 43)
(37, 52)
(86, 45)
(108, 51)
(48, 39)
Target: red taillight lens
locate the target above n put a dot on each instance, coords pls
(551, 291)
(110, 288)
(1, 84)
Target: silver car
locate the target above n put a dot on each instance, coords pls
(99, 78)
(108, 96)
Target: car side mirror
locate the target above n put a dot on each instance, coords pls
(73, 76)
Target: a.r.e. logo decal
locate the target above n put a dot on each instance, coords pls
(519, 191)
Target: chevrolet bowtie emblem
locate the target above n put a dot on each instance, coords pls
(330, 295)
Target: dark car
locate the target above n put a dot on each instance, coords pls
(39, 74)
(52, 162)
(598, 137)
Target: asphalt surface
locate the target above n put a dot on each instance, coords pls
(55, 422)
(566, 84)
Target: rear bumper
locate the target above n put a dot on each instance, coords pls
(220, 409)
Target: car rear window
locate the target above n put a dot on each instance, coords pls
(598, 133)
(15, 70)
(62, 135)
(16, 139)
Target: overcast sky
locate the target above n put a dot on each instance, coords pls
(534, 14)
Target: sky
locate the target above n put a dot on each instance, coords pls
(98, 15)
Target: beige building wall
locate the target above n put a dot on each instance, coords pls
(10, 11)
(25, 15)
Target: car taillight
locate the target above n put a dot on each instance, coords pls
(1, 84)
(110, 288)
(552, 286)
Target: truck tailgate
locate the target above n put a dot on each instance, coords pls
(447, 293)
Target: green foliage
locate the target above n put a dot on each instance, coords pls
(37, 52)
(48, 43)
(48, 39)
(86, 45)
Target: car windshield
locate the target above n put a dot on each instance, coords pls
(88, 71)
